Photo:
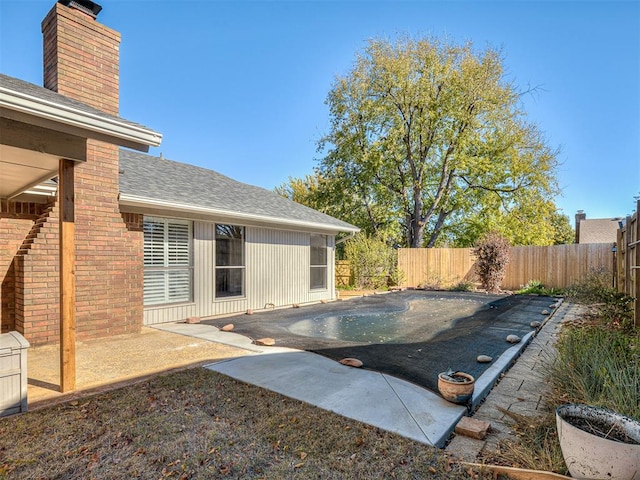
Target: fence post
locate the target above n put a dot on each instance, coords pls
(636, 266)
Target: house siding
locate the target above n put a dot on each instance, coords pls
(276, 275)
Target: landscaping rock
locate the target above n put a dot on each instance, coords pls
(513, 338)
(535, 324)
(249, 312)
(545, 312)
(296, 305)
(471, 427)
(351, 362)
(484, 359)
(193, 320)
(228, 327)
(267, 342)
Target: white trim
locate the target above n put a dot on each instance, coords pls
(137, 201)
(68, 115)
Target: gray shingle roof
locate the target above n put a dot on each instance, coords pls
(26, 88)
(159, 179)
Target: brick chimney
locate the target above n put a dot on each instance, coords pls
(81, 56)
(81, 61)
(579, 217)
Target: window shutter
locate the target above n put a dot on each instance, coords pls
(167, 261)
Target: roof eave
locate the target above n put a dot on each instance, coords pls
(141, 202)
(133, 136)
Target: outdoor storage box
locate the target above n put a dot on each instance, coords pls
(13, 373)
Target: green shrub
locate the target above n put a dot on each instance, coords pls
(535, 287)
(463, 287)
(374, 263)
(492, 254)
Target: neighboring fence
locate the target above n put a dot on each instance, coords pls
(556, 266)
(628, 261)
(344, 277)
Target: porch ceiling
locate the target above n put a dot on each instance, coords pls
(22, 169)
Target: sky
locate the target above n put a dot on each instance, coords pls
(240, 87)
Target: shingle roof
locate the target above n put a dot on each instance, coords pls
(158, 179)
(26, 88)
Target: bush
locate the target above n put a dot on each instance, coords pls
(463, 287)
(374, 263)
(535, 287)
(614, 308)
(493, 256)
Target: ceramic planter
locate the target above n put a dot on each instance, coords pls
(589, 455)
(456, 387)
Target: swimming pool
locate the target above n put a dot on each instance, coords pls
(413, 335)
(390, 324)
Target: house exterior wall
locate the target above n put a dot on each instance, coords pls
(277, 269)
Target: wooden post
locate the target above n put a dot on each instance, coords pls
(620, 260)
(636, 263)
(67, 277)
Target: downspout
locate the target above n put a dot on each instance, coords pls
(348, 237)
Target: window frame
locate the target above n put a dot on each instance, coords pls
(318, 266)
(167, 256)
(242, 267)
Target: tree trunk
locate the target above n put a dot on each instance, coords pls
(415, 231)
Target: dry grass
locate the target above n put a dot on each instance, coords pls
(537, 446)
(200, 424)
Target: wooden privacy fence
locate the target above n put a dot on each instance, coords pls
(628, 260)
(556, 266)
(344, 277)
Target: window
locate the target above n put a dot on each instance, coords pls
(167, 261)
(229, 261)
(318, 261)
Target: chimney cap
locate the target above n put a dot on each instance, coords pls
(86, 6)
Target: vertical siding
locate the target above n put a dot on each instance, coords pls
(276, 273)
(168, 313)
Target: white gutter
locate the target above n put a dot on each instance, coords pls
(107, 125)
(141, 202)
(344, 239)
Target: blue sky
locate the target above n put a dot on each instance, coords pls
(239, 87)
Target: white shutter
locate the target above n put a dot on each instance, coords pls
(167, 261)
(153, 242)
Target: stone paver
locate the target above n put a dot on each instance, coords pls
(521, 390)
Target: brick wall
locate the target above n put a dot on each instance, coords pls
(14, 231)
(81, 62)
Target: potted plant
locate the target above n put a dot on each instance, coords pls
(456, 387)
(598, 443)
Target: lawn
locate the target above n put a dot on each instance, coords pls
(199, 424)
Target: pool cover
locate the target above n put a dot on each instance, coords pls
(413, 335)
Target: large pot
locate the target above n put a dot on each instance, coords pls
(456, 387)
(587, 453)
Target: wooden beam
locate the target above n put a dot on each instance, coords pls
(42, 140)
(67, 276)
